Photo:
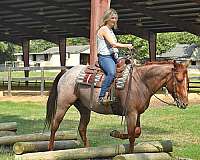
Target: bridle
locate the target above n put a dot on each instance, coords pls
(177, 101)
(174, 93)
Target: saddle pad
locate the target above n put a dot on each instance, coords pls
(88, 79)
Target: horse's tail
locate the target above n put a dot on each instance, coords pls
(52, 101)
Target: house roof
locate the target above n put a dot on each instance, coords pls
(181, 51)
(69, 49)
(51, 19)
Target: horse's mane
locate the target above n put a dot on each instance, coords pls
(159, 62)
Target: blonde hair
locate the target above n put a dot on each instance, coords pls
(107, 16)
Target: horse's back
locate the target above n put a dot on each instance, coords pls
(67, 82)
(70, 75)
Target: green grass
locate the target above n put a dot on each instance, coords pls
(180, 126)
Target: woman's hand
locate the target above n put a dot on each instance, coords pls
(129, 46)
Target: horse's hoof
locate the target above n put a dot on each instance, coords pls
(50, 148)
(115, 134)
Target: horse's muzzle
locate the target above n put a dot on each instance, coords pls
(181, 104)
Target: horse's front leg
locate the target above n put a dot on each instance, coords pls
(131, 126)
(138, 128)
(118, 134)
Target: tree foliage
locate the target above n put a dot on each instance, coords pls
(77, 41)
(139, 44)
(165, 41)
(40, 45)
(6, 52)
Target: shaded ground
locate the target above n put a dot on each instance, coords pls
(194, 98)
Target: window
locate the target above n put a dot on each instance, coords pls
(45, 57)
(193, 63)
(84, 59)
(34, 57)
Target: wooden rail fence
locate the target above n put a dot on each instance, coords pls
(194, 80)
(9, 78)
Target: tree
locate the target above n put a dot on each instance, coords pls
(77, 41)
(40, 45)
(6, 51)
(139, 44)
(165, 42)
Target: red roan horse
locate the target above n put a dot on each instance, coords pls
(143, 82)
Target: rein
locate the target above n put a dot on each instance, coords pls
(127, 96)
(130, 80)
(164, 101)
(129, 87)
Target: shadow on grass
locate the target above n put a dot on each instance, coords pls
(155, 130)
(27, 126)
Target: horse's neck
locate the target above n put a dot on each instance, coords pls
(155, 76)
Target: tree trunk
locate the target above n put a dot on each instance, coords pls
(144, 156)
(94, 152)
(60, 135)
(10, 126)
(27, 147)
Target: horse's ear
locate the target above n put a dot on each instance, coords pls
(175, 64)
(186, 63)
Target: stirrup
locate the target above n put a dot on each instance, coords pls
(103, 100)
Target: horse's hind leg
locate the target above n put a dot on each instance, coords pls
(60, 113)
(84, 120)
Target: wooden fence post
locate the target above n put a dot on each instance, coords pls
(9, 81)
(42, 82)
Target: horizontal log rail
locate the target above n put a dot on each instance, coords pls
(194, 82)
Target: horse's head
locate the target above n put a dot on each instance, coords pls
(177, 85)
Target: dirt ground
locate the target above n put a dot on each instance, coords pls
(194, 98)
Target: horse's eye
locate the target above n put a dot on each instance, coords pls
(179, 77)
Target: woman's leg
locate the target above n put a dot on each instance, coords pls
(108, 65)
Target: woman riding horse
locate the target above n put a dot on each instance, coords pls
(134, 98)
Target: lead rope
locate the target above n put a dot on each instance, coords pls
(127, 96)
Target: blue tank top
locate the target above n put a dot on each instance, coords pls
(104, 47)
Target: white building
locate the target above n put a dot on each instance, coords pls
(75, 55)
